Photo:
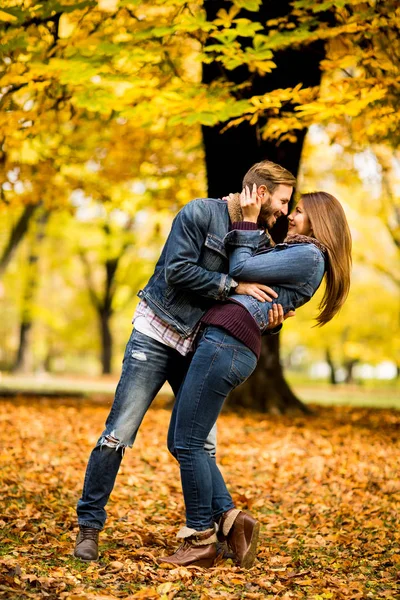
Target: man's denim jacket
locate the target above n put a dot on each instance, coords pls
(192, 271)
(294, 271)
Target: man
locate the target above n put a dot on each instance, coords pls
(190, 275)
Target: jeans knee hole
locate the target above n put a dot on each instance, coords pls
(139, 356)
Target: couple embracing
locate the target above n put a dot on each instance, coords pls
(218, 286)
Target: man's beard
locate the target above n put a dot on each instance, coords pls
(266, 217)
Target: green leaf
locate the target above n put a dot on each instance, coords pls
(252, 5)
(227, 36)
(246, 28)
(18, 42)
(14, 12)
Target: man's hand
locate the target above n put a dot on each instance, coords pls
(276, 316)
(250, 203)
(259, 291)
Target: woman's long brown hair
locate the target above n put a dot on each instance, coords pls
(329, 226)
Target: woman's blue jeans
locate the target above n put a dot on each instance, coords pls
(220, 363)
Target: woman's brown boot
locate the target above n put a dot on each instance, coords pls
(198, 549)
(241, 532)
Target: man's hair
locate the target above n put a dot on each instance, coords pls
(269, 174)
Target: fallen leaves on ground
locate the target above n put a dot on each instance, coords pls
(325, 488)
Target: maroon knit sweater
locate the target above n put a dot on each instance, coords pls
(233, 317)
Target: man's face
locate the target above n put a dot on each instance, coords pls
(273, 205)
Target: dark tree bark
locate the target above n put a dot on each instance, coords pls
(332, 370)
(231, 153)
(106, 342)
(349, 368)
(24, 359)
(102, 303)
(23, 363)
(105, 313)
(16, 236)
(102, 300)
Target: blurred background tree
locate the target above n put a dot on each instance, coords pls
(102, 105)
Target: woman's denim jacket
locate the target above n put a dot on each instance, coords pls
(294, 271)
(192, 271)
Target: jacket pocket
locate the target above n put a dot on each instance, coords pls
(214, 256)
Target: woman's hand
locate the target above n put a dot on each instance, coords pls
(250, 204)
(276, 316)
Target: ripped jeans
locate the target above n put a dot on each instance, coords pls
(147, 365)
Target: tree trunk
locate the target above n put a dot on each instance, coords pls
(102, 301)
(105, 311)
(16, 236)
(267, 390)
(230, 154)
(24, 360)
(106, 341)
(332, 371)
(349, 369)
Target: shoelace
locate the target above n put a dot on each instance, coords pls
(88, 533)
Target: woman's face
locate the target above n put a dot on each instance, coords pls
(299, 222)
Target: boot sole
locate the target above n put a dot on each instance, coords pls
(85, 559)
(250, 556)
(205, 563)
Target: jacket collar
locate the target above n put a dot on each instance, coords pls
(296, 238)
(234, 210)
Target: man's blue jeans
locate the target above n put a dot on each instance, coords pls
(147, 365)
(220, 363)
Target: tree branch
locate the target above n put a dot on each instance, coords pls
(17, 234)
(89, 281)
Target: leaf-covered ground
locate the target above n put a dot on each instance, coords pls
(326, 489)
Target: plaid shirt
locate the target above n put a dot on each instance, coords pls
(169, 336)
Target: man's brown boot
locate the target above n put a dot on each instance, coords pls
(241, 532)
(87, 543)
(199, 549)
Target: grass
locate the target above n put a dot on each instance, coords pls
(374, 394)
(350, 395)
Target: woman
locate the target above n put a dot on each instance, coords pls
(318, 245)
